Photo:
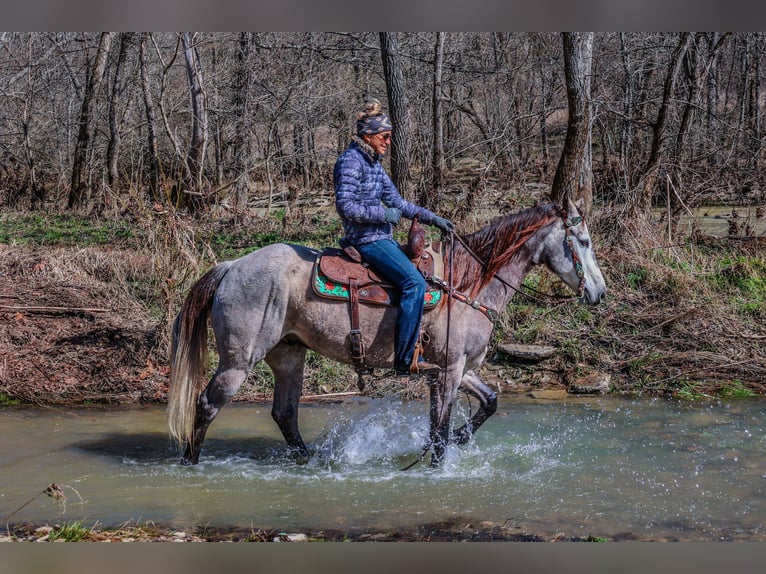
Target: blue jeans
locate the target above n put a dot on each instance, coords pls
(385, 257)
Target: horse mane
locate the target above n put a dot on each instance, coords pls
(497, 243)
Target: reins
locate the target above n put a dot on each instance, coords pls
(450, 292)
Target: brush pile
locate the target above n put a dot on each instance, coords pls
(71, 331)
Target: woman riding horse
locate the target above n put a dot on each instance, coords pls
(369, 205)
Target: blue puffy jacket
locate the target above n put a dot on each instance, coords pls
(363, 190)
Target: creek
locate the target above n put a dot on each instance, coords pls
(584, 466)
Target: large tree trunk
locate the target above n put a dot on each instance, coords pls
(95, 75)
(195, 158)
(151, 123)
(574, 174)
(397, 107)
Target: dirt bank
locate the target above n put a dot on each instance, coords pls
(70, 334)
(82, 325)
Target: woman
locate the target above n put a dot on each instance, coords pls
(369, 204)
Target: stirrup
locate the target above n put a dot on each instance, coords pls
(418, 367)
(425, 368)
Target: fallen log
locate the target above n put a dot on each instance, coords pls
(23, 309)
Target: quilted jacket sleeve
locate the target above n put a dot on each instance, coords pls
(392, 198)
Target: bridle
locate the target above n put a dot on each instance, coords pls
(569, 225)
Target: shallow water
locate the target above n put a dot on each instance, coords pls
(714, 220)
(605, 467)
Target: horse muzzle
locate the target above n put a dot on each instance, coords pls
(593, 297)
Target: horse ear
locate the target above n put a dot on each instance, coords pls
(573, 208)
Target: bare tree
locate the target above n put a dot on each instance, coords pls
(241, 143)
(78, 185)
(437, 157)
(397, 107)
(643, 201)
(152, 153)
(115, 111)
(36, 187)
(573, 179)
(195, 157)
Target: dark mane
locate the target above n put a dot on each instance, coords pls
(497, 243)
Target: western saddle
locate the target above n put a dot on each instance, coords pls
(342, 274)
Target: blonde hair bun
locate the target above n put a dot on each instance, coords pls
(372, 107)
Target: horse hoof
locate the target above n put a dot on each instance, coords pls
(461, 437)
(186, 462)
(302, 456)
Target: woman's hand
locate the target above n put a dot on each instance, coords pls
(393, 215)
(444, 224)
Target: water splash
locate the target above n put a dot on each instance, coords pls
(384, 432)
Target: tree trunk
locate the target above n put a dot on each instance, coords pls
(712, 95)
(628, 110)
(242, 79)
(115, 105)
(397, 107)
(755, 143)
(195, 158)
(37, 188)
(151, 122)
(643, 202)
(95, 75)
(574, 176)
(431, 200)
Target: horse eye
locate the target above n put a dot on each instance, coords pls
(585, 243)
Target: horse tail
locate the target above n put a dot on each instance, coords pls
(188, 355)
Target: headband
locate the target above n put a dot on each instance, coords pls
(373, 125)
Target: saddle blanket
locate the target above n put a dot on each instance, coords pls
(332, 281)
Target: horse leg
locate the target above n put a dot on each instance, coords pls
(474, 386)
(442, 396)
(287, 361)
(219, 390)
(440, 412)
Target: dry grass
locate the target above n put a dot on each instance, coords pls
(73, 330)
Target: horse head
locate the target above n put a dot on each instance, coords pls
(569, 254)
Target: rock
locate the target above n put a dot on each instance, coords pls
(290, 537)
(526, 352)
(597, 383)
(549, 394)
(297, 538)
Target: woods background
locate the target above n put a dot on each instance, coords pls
(103, 121)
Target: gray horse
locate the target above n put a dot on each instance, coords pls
(262, 307)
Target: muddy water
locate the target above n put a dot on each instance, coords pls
(604, 467)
